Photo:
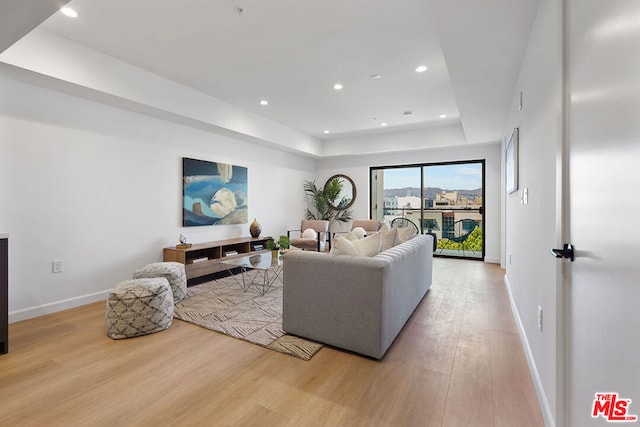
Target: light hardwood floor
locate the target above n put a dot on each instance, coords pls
(458, 362)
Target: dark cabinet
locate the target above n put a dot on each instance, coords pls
(4, 295)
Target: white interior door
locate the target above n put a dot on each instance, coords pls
(604, 203)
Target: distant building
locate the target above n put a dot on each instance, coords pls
(408, 202)
(447, 198)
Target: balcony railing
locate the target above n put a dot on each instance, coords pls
(457, 230)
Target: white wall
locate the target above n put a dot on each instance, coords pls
(100, 188)
(531, 228)
(357, 167)
(445, 134)
(73, 68)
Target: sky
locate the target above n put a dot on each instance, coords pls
(467, 176)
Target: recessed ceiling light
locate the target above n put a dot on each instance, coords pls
(443, 116)
(337, 86)
(421, 69)
(264, 102)
(374, 76)
(383, 124)
(69, 12)
(326, 131)
(408, 113)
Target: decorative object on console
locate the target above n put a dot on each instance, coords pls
(255, 228)
(213, 193)
(183, 243)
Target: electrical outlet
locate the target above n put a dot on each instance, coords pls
(525, 196)
(57, 266)
(540, 318)
(509, 259)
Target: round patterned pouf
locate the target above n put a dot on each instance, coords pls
(139, 307)
(172, 271)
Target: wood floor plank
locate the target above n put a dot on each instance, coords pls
(514, 398)
(470, 396)
(458, 349)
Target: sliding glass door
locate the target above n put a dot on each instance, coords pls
(441, 199)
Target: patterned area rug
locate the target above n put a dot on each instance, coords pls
(222, 306)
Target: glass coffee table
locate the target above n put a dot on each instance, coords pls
(259, 270)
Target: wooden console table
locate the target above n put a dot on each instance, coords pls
(202, 259)
(4, 293)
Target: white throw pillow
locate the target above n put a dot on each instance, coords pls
(359, 232)
(403, 234)
(342, 246)
(369, 246)
(388, 238)
(309, 233)
(350, 236)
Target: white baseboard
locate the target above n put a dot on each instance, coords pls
(52, 307)
(537, 382)
(492, 260)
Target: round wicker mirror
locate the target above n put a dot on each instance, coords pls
(344, 198)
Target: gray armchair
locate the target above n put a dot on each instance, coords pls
(321, 241)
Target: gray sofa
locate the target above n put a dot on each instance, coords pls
(355, 303)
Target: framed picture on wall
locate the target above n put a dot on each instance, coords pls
(511, 162)
(213, 193)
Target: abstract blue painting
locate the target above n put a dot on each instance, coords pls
(214, 193)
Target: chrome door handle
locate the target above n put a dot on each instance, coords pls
(566, 252)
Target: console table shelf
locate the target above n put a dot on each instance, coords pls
(202, 259)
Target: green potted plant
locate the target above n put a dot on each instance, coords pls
(272, 246)
(284, 243)
(323, 200)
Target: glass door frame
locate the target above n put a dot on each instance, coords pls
(373, 197)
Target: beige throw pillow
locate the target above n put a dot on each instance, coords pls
(342, 246)
(350, 236)
(388, 238)
(369, 246)
(403, 234)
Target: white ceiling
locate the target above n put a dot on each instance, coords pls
(292, 52)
